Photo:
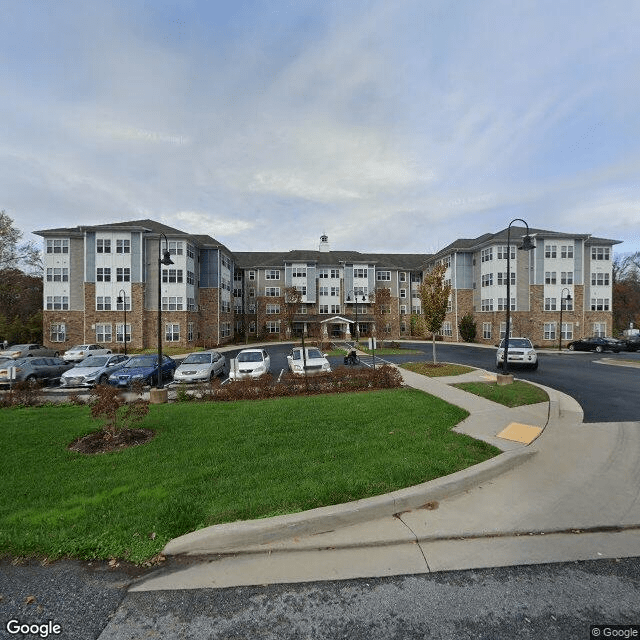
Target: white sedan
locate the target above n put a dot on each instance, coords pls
(250, 363)
(200, 366)
(81, 351)
(314, 361)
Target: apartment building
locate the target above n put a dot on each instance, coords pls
(94, 275)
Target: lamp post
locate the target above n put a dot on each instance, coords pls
(122, 299)
(567, 299)
(164, 260)
(355, 301)
(527, 245)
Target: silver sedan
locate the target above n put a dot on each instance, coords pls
(93, 370)
(200, 366)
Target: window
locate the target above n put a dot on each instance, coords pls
(566, 305)
(172, 332)
(123, 274)
(487, 279)
(360, 272)
(225, 329)
(272, 292)
(360, 292)
(449, 305)
(191, 279)
(403, 309)
(58, 246)
(190, 325)
(446, 329)
(172, 303)
(600, 279)
(403, 293)
(302, 289)
(323, 273)
(56, 303)
(600, 253)
(599, 329)
(172, 275)
(335, 273)
(487, 304)
(383, 275)
(502, 304)
(566, 251)
(126, 303)
(103, 333)
(335, 291)
(550, 304)
(403, 276)
(58, 275)
(550, 251)
(502, 277)
(566, 277)
(123, 246)
(273, 309)
(191, 252)
(486, 254)
(58, 332)
(103, 274)
(323, 291)
(599, 304)
(252, 275)
(502, 253)
(566, 332)
(176, 247)
(299, 272)
(324, 308)
(272, 274)
(273, 326)
(503, 329)
(415, 310)
(549, 330)
(302, 309)
(550, 277)
(335, 308)
(237, 293)
(120, 332)
(103, 245)
(103, 303)
(225, 306)
(486, 330)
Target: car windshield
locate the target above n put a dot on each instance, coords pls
(18, 347)
(94, 361)
(518, 342)
(142, 361)
(250, 356)
(21, 362)
(197, 358)
(79, 347)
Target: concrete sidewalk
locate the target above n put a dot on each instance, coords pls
(572, 493)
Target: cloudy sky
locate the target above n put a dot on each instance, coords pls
(390, 125)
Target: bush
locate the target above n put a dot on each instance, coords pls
(23, 394)
(468, 328)
(341, 380)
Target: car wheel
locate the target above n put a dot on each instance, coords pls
(56, 354)
(616, 351)
(31, 380)
(534, 366)
(571, 347)
(598, 349)
(103, 379)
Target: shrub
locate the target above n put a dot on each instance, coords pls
(108, 404)
(468, 328)
(23, 394)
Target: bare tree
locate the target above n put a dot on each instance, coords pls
(292, 302)
(381, 308)
(434, 294)
(25, 257)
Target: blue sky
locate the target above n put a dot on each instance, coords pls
(392, 126)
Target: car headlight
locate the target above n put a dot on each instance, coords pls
(326, 367)
(297, 367)
(259, 369)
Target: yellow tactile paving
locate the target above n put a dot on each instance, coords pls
(517, 432)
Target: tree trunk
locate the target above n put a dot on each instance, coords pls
(433, 338)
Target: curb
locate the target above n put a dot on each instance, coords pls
(236, 536)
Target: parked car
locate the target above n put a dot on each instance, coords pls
(81, 351)
(29, 351)
(93, 370)
(521, 352)
(143, 368)
(631, 343)
(595, 343)
(316, 361)
(250, 363)
(31, 369)
(199, 366)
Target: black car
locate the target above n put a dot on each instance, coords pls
(596, 344)
(632, 343)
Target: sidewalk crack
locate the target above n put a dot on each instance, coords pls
(415, 537)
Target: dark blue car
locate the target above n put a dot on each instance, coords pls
(143, 369)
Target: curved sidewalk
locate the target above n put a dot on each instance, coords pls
(572, 493)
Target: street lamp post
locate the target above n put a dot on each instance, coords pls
(164, 260)
(567, 299)
(527, 245)
(355, 300)
(122, 299)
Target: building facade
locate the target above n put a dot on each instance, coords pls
(209, 296)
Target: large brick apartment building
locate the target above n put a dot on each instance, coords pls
(211, 295)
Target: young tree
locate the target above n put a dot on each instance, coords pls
(434, 294)
(381, 308)
(292, 302)
(468, 328)
(13, 255)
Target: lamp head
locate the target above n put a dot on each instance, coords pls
(119, 300)
(166, 258)
(527, 243)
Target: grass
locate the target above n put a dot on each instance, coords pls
(437, 370)
(511, 395)
(212, 463)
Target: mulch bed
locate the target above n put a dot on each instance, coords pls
(103, 442)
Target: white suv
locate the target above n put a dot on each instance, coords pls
(250, 363)
(521, 352)
(313, 361)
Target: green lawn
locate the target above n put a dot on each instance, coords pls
(213, 463)
(511, 395)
